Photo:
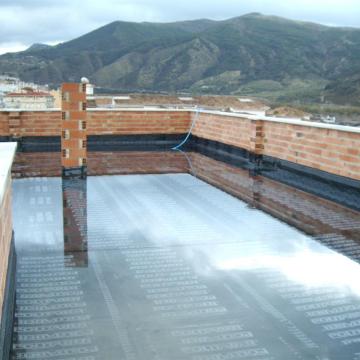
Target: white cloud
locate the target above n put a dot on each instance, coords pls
(16, 46)
(11, 47)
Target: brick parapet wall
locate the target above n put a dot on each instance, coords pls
(30, 123)
(226, 129)
(137, 122)
(5, 239)
(103, 122)
(333, 151)
(331, 148)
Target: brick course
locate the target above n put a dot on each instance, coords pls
(226, 129)
(31, 123)
(137, 122)
(333, 151)
(327, 149)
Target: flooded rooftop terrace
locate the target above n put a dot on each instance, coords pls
(182, 255)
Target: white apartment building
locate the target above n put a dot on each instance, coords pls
(13, 84)
(35, 100)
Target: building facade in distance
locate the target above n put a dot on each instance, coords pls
(29, 100)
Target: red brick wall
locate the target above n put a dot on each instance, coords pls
(5, 239)
(137, 122)
(334, 151)
(226, 129)
(30, 123)
(4, 124)
(331, 150)
(43, 123)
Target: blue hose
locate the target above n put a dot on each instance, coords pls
(192, 171)
(177, 147)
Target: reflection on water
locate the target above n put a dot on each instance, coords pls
(171, 266)
(75, 219)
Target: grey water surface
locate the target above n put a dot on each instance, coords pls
(167, 267)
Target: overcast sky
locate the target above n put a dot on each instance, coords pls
(24, 22)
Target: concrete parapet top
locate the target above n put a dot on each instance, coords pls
(137, 109)
(290, 121)
(29, 110)
(7, 153)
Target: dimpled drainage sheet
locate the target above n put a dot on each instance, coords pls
(168, 267)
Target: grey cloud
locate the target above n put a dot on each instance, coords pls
(26, 21)
(31, 4)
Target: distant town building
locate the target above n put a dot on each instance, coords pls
(12, 84)
(28, 100)
(161, 101)
(89, 89)
(8, 84)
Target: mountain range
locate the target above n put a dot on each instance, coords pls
(266, 56)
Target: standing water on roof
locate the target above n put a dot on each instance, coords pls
(170, 267)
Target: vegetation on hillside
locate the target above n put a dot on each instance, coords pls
(270, 57)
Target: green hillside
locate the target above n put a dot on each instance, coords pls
(267, 56)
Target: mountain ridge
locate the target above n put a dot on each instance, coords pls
(253, 54)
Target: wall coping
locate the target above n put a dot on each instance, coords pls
(7, 154)
(290, 121)
(29, 110)
(143, 109)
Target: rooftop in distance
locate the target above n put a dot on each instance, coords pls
(206, 101)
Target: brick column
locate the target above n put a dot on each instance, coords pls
(73, 134)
